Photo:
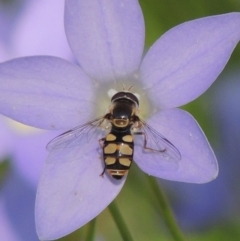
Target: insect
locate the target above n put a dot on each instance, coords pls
(118, 145)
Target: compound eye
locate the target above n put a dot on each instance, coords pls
(121, 122)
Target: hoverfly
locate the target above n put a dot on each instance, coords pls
(118, 145)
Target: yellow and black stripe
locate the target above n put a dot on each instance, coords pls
(118, 152)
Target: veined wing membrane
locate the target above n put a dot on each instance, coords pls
(78, 136)
(154, 141)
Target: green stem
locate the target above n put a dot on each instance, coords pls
(91, 231)
(166, 210)
(123, 229)
(4, 169)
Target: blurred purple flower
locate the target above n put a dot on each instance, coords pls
(199, 207)
(17, 197)
(225, 106)
(19, 184)
(32, 28)
(10, 12)
(107, 39)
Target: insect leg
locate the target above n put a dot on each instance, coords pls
(145, 142)
(102, 174)
(101, 141)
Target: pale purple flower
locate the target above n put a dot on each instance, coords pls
(107, 39)
(32, 28)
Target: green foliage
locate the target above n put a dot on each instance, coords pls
(4, 168)
(161, 15)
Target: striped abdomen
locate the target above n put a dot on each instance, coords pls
(118, 153)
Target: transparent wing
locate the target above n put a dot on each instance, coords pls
(78, 136)
(154, 141)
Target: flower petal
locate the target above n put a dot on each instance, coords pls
(45, 92)
(186, 60)
(38, 35)
(30, 152)
(198, 163)
(71, 191)
(107, 37)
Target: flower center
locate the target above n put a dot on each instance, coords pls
(105, 91)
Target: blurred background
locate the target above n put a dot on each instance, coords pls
(204, 212)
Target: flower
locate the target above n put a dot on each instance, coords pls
(25, 150)
(107, 39)
(24, 30)
(17, 199)
(198, 207)
(9, 16)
